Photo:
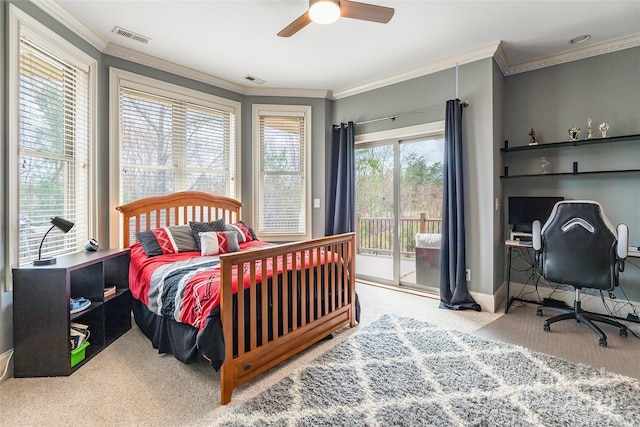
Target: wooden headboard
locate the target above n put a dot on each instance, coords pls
(175, 209)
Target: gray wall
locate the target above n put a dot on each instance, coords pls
(551, 100)
(498, 218)
(6, 299)
(321, 124)
(475, 84)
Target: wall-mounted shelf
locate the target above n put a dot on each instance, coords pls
(536, 175)
(569, 145)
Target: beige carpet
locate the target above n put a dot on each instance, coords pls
(568, 340)
(129, 384)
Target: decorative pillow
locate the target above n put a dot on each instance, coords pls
(202, 227)
(253, 233)
(167, 240)
(218, 242)
(245, 234)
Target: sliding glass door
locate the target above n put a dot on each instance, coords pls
(398, 211)
(420, 211)
(375, 212)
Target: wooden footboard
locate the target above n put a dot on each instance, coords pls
(325, 291)
(295, 309)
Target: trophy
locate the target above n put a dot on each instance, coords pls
(574, 132)
(604, 128)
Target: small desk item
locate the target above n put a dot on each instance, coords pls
(511, 244)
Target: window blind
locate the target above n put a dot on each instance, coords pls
(53, 151)
(169, 144)
(282, 207)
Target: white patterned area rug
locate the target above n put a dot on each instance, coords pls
(399, 371)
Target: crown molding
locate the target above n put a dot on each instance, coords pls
(443, 64)
(60, 14)
(567, 56)
(501, 58)
(170, 67)
(299, 93)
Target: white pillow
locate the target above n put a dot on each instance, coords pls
(218, 242)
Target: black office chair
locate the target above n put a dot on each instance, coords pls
(578, 246)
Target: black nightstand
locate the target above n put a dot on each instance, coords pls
(41, 318)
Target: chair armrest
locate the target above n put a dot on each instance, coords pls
(536, 238)
(622, 247)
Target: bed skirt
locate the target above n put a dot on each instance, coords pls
(183, 341)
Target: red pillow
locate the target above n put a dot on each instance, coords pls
(243, 231)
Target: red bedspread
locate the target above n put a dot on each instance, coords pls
(190, 297)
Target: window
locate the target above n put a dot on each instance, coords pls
(51, 144)
(282, 155)
(169, 138)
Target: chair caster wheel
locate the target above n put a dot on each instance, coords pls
(603, 342)
(539, 312)
(547, 328)
(623, 332)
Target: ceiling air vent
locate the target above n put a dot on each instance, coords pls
(254, 79)
(130, 35)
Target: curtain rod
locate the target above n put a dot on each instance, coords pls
(463, 103)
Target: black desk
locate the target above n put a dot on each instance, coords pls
(511, 245)
(515, 244)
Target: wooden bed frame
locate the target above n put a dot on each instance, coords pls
(329, 314)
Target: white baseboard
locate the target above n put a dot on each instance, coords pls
(5, 360)
(487, 302)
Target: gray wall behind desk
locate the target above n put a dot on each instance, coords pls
(605, 88)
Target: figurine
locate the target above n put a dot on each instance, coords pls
(604, 128)
(544, 165)
(573, 133)
(534, 138)
(589, 130)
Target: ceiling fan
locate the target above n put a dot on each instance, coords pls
(328, 11)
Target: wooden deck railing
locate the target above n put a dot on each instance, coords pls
(374, 235)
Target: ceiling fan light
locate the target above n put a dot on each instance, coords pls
(324, 11)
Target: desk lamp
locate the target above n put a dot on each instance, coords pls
(64, 226)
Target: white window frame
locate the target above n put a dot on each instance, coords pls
(281, 110)
(120, 78)
(22, 23)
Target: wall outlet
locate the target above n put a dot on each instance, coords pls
(316, 203)
(467, 274)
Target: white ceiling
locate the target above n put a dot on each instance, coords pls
(230, 39)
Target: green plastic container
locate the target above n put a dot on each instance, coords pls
(77, 355)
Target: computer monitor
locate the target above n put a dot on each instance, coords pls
(524, 210)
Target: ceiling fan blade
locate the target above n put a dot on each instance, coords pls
(365, 11)
(296, 25)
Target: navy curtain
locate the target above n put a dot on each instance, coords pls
(453, 284)
(341, 191)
